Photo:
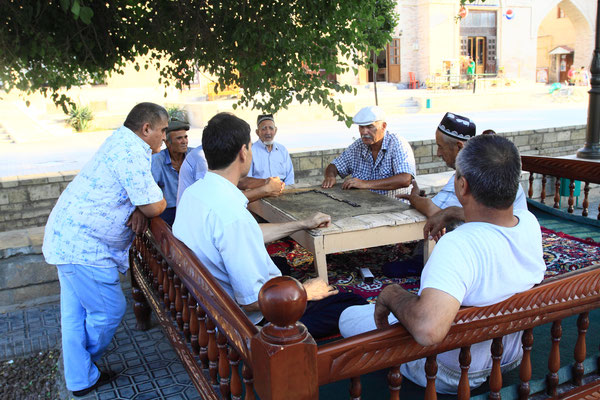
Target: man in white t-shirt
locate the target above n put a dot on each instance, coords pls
(494, 255)
(443, 210)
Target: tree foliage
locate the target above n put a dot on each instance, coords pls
(273, 50)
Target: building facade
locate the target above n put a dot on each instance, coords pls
(510, 37)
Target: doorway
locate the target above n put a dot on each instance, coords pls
(476, 49)
(393, 50)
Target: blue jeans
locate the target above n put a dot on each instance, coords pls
(92, 306)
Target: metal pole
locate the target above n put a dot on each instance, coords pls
(591, 149)
(375, 68)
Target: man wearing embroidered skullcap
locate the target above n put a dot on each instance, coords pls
(443, 209)
(379, 160)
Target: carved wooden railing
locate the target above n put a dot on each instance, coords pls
(212, 335)
(574, 170)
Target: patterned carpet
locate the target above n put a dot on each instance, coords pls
(562, 253)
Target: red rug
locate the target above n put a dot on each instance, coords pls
(562, 253)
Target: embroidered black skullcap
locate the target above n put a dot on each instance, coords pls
(457, 126)
(264, 117)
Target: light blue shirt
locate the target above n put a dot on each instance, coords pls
(447, 197)
(395, 157)
(165, 175)
(87, 224)
(276, 162)
(212, 220)
(194, 167)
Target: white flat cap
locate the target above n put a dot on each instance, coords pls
(368, 115)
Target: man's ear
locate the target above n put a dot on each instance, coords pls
(384, 125)
(146, 129)
(460, 144)
(243, 153)
(463, 186)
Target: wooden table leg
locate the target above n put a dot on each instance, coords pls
(321, 265)
(427, 249)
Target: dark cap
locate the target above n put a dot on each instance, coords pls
(176, 124)
(264, 117)
(457, 126)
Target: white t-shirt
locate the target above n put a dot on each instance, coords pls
(480, 264)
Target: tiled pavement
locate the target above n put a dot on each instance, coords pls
(148, 368)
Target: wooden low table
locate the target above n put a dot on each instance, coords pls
(360, 219)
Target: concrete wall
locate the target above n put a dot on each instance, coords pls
(26, 201)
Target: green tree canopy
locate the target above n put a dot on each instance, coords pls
(268, 48)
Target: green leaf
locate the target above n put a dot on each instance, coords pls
(86, 15)
(76, 8)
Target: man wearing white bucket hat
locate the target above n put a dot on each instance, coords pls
(379, 160)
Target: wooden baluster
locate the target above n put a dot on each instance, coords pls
(554, 359)
(166, 285)
(193, 325)
(202, 336)
(284, 355)
(248, 382)
(570, 209)
(223, 366)
(157, 272)
(355, 388)
(236, 381)
(141, 308)
(543, 195)
(431, 372)
(530, 191)
(586, 199)
(162, 273)
(185, 313)
(212, 351)
(525, 369)
(177, 308)
(464, 358)
(152, 264)
(557, 193)
(496, 375)
(583, 322)
(394, 378)
(170, 293)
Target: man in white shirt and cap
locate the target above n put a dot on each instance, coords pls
(379, 160)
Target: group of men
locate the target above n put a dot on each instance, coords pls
(91, 228)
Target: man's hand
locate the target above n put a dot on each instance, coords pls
(414, 192)
(435, 227)
(381, 309)
(317, 289)
(274, 186)
(138, 222)
(317, 220)
(354, 183)
(328, 182)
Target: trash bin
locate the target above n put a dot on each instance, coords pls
(428, 103)
(564, 187)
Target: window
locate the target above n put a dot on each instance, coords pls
(560, 13)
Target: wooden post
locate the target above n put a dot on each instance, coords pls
(284, 355)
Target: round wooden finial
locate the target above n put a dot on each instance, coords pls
(282, 301)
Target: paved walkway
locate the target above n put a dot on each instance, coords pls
(148, 367)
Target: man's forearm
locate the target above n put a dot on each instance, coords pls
(391, 183)
(424, 205)
(276, 231)
(331, 171)
(248, 182)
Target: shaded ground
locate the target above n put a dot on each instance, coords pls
(29, 378)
